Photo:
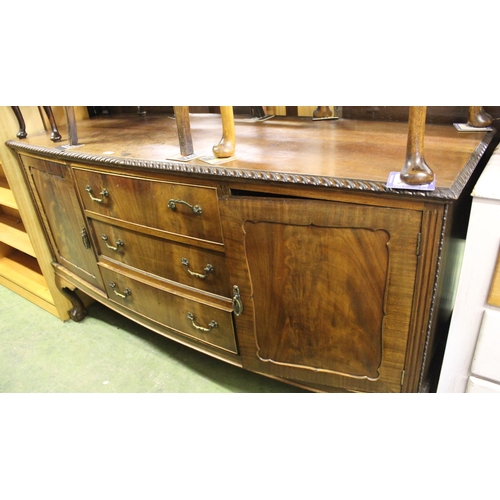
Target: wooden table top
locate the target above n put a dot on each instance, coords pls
(351, 154)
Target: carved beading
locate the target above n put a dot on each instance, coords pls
(281, 177)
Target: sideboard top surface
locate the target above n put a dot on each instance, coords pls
(345, 154)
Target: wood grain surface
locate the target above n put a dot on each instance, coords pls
(348, 149)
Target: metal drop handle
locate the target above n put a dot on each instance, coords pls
(119, 243)
(104, 193)
(212, 324)
(85, 238)
(237, 303)
(196, 209)
(123, 295)
(208, 269)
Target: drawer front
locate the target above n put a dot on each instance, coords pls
(208, 324)
(191, 266)
(175, 208)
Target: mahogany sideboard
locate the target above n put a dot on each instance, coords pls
(293, 259)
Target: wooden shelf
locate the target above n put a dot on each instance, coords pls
(13, 234)
(6, 196)
(21, 274)
(19, 269)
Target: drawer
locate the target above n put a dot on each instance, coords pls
(191, 266)
(208, 324)
(175, 208)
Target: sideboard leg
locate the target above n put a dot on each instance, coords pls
(78, 311)
(22, 126)
(227, 144)
(55, 136)
(478, 117)
(415, 170)
(184, 130)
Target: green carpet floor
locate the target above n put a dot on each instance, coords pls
(106, 353)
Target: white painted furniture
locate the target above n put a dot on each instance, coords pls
(472, 357)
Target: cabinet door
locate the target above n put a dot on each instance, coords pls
(63, 218)
(327, 289)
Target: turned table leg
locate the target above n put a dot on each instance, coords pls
(69, 112)
(322, 112)
(20, 120)
(478, 117)
(55, 136)
(227, 144)
(257, 111)
(415, 170)
(184, 130)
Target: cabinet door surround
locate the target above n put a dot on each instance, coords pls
(65, 224)
(328, 286)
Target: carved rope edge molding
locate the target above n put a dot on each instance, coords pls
(283, 177)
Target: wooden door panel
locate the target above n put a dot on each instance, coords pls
(327, 289)
(331, 288)
(63, 219)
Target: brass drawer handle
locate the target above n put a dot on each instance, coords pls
(196, 209)
(212, 324)
(123, 295)
(104, 193)
(85, 238)
(237, 303)
(119, 243)
(208, 269)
